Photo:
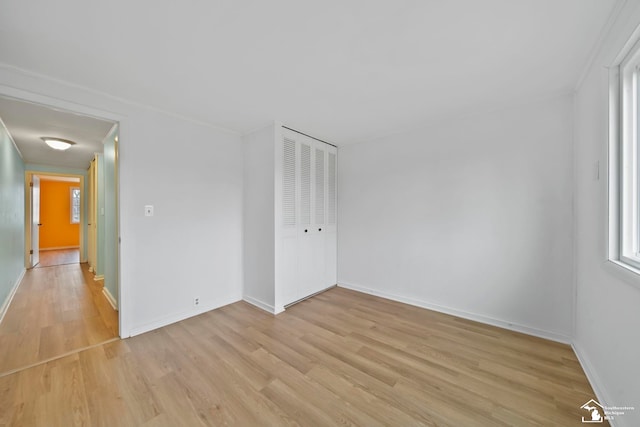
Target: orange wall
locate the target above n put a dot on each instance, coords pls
(55, 215)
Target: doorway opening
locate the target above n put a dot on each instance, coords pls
(61, 306)
(55, 213)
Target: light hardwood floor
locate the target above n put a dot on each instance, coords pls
(55, 310)
(58, 257)
(340, 358)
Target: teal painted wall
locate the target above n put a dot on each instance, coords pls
(11, 215)
(70, 171)
(100, 216)
(110, 216)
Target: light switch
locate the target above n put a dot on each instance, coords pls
(101, 211)
(148, 210)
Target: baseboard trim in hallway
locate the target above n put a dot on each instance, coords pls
(110, 298)
(12, 292)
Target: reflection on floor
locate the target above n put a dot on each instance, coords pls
(54, 311)
(59, 257)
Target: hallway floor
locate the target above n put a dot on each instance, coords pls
(58, 257)
(56, 310)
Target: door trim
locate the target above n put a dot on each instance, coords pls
(28, 174)
(123, 121)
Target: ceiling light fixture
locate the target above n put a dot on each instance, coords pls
(58, 143)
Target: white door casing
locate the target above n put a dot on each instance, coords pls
(34, 201)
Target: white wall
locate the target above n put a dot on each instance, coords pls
(259, 219)
(192, 247)
(472, 216)
(608, 301)
(192, 174)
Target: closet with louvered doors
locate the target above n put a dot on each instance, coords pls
(309, 214)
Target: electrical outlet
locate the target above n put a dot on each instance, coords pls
(196, 301)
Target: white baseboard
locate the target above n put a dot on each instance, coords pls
(110, 298)
(58, 248)
(262, 305)
(12, 292)
(601, 396)
(553, 336)
(176, 317)
(98, 277)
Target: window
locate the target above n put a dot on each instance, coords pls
(624, 176)
(75, 205)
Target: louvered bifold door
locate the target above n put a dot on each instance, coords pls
(309, 216)
(330, 229)
(307, 232)
(318, 231)
(290, 211)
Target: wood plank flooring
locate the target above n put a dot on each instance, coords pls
(58, 257)
(339, 358)
(54, 311)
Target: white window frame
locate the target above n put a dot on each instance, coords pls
(71, 190)
(624, 164)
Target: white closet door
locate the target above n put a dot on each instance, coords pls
(332, 187)
(308, 216)
(289, 224)
(316, 237)
(330, 277)
(307, 235)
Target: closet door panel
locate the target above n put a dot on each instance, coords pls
(289, 221)
(305, 187)
(332, 188)
(330, 276)
(309, 216)
(306, 234)
(309, 249)
(319, 175)
(290, 290)
(329, 273)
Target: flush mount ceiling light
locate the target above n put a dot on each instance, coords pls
(58, 143)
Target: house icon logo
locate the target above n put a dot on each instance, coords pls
(596, 412)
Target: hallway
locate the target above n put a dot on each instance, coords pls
(56, 310)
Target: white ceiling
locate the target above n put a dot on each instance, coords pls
(28, 123)
(342, 70)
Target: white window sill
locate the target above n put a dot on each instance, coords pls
(624, 272)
